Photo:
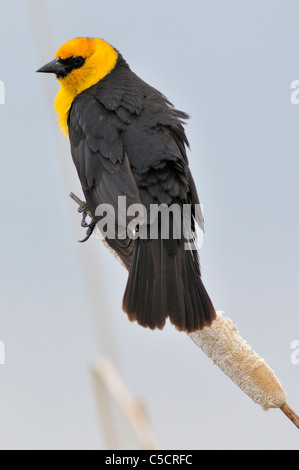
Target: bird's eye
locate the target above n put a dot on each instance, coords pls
(78, 61)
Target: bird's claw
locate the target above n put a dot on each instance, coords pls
(90, 226)
(90, 230)
(83, 209)
(84, 224)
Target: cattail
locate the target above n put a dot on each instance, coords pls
(223, 344)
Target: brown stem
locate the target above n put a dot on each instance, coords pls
(290, 414)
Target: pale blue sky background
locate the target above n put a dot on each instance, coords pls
(230, 65)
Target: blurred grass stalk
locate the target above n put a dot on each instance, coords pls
(124, 421)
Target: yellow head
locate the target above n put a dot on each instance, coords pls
(78, 65)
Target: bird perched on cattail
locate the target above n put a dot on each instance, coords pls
(128, 140)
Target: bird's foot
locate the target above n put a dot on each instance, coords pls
(90, 230)
(83, 210)
(90, 226)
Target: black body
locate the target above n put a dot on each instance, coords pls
(128, 140)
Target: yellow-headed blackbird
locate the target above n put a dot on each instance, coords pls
(128, 140)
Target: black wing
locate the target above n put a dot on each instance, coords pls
(102, 163)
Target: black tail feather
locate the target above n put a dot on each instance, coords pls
(164, 281)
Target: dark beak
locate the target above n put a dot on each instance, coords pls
(56, 66)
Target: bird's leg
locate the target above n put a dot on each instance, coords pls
(83, 210)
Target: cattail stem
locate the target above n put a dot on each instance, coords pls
(287, 410)
(223, 344)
